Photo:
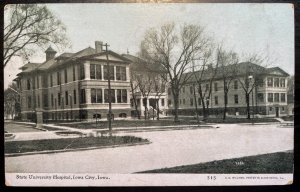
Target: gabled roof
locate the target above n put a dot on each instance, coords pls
(50, 49)
(93, 56)
(277, 69)
(64, 55)
(29, 65)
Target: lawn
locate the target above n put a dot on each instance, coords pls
(69, 143)
(162, 122)
(281, 162)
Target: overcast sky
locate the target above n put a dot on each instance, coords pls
(245, 28)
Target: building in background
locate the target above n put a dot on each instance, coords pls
(149, 88)
(269, 98)
(74, 86)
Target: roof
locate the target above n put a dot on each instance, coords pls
(244, 68)
(50, 49)
(139, 64)
(29, 65)
(65, 55)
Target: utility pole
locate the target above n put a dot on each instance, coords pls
(109, 91)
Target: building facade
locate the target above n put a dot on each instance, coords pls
(269, 98)
(74, 86)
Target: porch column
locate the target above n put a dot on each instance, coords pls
(127, 74)
(88, 95)
(102, 73)
(115, 73)
(87, 70)
(102, 93)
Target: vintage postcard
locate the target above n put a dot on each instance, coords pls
(148, 94)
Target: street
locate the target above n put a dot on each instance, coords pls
(168, 149)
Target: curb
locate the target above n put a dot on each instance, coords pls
(74, 150)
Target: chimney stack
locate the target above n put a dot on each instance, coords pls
(98, 46)
(50, 53)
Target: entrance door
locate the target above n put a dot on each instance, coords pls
(277, 111)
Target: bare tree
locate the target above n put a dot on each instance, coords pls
(134, 88)
(159, 88)
(11, 101)
(29, 26)
(204, 73)
(145, 85)
(251, 75)
(227, 69)
(173, 50)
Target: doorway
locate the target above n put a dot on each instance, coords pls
(277, 111)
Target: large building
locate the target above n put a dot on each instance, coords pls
(269, 98)
(74, 86)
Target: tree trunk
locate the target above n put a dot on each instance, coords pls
(196, 104)
(134, 100)
(248, 105)
(176, 107)
(157, 108)
(225, 104)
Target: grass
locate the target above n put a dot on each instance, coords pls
(281, 162)
(240, 120)
(68, 143)
(126, 123)
(162, 122)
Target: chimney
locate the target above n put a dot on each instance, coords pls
(50, 53)
(98, 46)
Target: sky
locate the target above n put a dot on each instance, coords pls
(243, 28)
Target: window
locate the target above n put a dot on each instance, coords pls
(74, 96)
(183, 89)
(45, 81)
(206, 87)
(183, 101)
(37, 82)
(121, 73)
(38, 98)
(236, 99)
(59, 99)
(82, 95)
(95, 71)
(216, 86)
(106, 98)
(216, 100)
(191, 90)
(270, 97)
(270, 81)
(270, 108)
(282, 82)
(29, 101)
(45, 100)
(124, 96)
(236, 84)
(111, 71)
(96, 95)
(282, 97)
(260, 97)
(121, 95)
(66, 75)
(51, 80)
(276, 97)
(58, 78)
(191, 102)
(199, 101)
(67, 97)
(163, 102)
(276, 82)
(52, 100)
(28, 84)
(74, 77)
(180, 101)
(81, 72)
(169, 102)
